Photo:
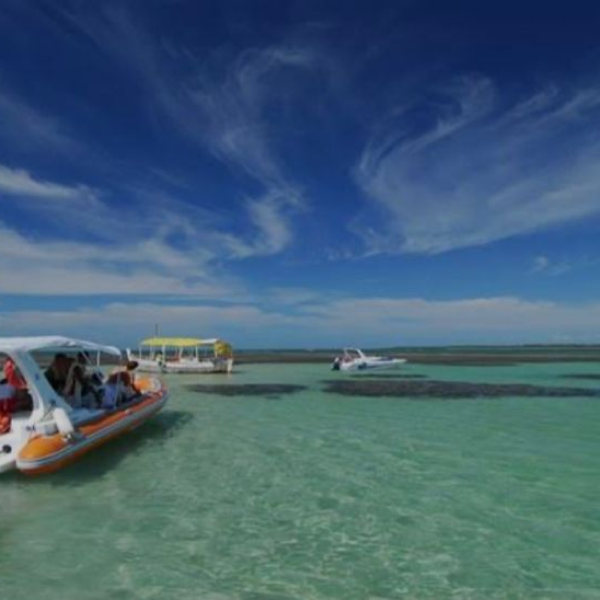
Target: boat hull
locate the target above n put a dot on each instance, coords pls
(46, 454)
(363, 366)
(192, 366)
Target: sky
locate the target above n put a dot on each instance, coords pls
(301, 174)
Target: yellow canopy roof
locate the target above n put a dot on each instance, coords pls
(180, 342)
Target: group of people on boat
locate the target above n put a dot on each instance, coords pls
(57, 405)
(73, 378)
(83, 387)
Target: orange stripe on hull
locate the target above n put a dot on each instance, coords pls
(42, 448)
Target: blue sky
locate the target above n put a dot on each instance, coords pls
(301, 174)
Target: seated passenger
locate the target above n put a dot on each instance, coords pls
(7, 393)
(13, 375)
(57, 372)
(77, 388)
(120, 386)
(12, 400)
(125, 375)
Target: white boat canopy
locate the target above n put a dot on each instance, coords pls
(52, 343)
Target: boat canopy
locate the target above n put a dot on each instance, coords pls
(223, 349)
(52, 343)
(159, 342)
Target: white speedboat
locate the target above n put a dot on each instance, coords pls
(354, 359)
(183, 355)
(43, 429)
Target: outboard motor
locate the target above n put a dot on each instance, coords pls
(336, 364)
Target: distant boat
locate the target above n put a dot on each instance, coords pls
(183, 355)
(354, 359)
(42, 429)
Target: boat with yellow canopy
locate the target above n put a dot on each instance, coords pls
(183, 355)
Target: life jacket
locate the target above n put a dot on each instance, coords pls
(5, 421)
(6, 402)
(13, 375)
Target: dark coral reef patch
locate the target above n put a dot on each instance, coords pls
(248, 389)
(451, 390)
(389, 376)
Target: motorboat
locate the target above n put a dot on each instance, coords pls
(183, 355)
(354, 359)
(42, 430)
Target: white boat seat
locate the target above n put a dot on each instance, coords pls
(19, 421)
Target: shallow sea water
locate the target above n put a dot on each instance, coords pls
(315, 495)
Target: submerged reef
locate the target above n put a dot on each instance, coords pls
(388, 376)
(247, 389)
(452, 390)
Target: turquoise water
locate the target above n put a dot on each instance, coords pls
(313, 495)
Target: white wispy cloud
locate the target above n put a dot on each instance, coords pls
(367, 321)
(292, 296)
(27, 127)
(79, 208)
(223, 107)
(174, 248)
(396, 321)
(125, 323)
(66, 208)
(232, 110)
(40, 267)
(19, 182)
(542, 265)
(482, 171)
(91, 247)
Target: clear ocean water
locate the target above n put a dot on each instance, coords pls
(314, 495)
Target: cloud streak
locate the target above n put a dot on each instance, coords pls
(26, 127)
(36, 267)
(85, 246)
(370, 321)
(482, 170)
(542, 265)
(125, 323)
(398, 321)
(233, 107)
(19, 182)
(222, 107)
(93, 248)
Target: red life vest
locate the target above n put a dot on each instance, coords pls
(13, 375)
(5, 418)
